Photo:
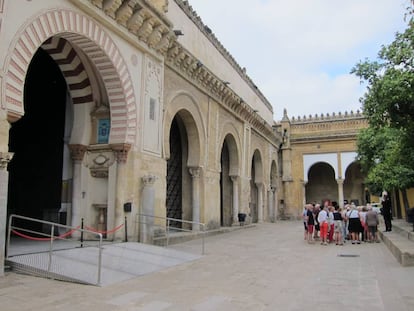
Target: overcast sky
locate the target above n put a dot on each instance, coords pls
(300, 52)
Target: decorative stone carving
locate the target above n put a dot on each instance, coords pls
(110, 6)
(146, 29)
(121, 152)
(194, 172)
(77, 151)
(155, 36)
(149, 180)
(124, 13)
(99, 162)
(136, 20)
(5, 158)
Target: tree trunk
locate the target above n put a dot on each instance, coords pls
(406, 204)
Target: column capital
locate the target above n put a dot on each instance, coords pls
(149, 180)
(5, 158)
(195, 172)
(340, 181)
(234, 178)
(77, 151)
(121, 152)
(259, 184)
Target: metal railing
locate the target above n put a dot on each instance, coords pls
(53, 239)
(168, 228)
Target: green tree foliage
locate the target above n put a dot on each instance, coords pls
(386, 147)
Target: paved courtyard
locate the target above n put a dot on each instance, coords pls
(266, 267)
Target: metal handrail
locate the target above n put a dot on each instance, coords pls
(52, 237)
(169, 219)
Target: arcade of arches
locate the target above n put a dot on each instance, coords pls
(100, 111)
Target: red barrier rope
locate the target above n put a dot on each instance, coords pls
(44, 239)
(104, 232)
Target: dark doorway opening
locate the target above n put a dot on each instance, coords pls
(35, 172)
(174, 176)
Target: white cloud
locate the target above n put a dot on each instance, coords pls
(299, 53)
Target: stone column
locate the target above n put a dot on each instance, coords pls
(234, 179)
(77, 153)
(146, 224)
(275, 202)
(340, 182)
(272, 212)
(259, 202)
(5, 158)
(195, 199)
(121, 155)
(304, 193)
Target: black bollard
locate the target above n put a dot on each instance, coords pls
(126, 230)
(81, 233)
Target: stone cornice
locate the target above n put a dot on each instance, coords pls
(140, 18)
(192, 14)
(185, 64)
(328, 137)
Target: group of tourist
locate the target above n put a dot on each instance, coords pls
(330, 223)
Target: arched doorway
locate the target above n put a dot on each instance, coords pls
(256, 185)
(226, 189)
(321, 184)
(353, 184)
(37, 185)
(175, 171)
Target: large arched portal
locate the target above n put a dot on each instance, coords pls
(37, 141)
(353, 184)
(68, 110)
(321, 184)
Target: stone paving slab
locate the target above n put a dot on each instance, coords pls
(265, 268)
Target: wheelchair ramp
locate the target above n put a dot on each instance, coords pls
(120, 262)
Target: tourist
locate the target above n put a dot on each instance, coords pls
(305, 224)
(323, 224)
(354, 224)
(331, 224)
(310, 222)
(338, 226)
(372, 222)
(316, 210)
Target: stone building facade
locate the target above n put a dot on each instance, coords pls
(115, 111)
(108, 113)
(319, 160)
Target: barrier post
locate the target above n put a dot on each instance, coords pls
(126, 230)
(203, 240)
(51, 247)
(168, 231)
(82, 232)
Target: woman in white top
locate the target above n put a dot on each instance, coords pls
(354, 224)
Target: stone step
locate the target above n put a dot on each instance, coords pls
(400, 241)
